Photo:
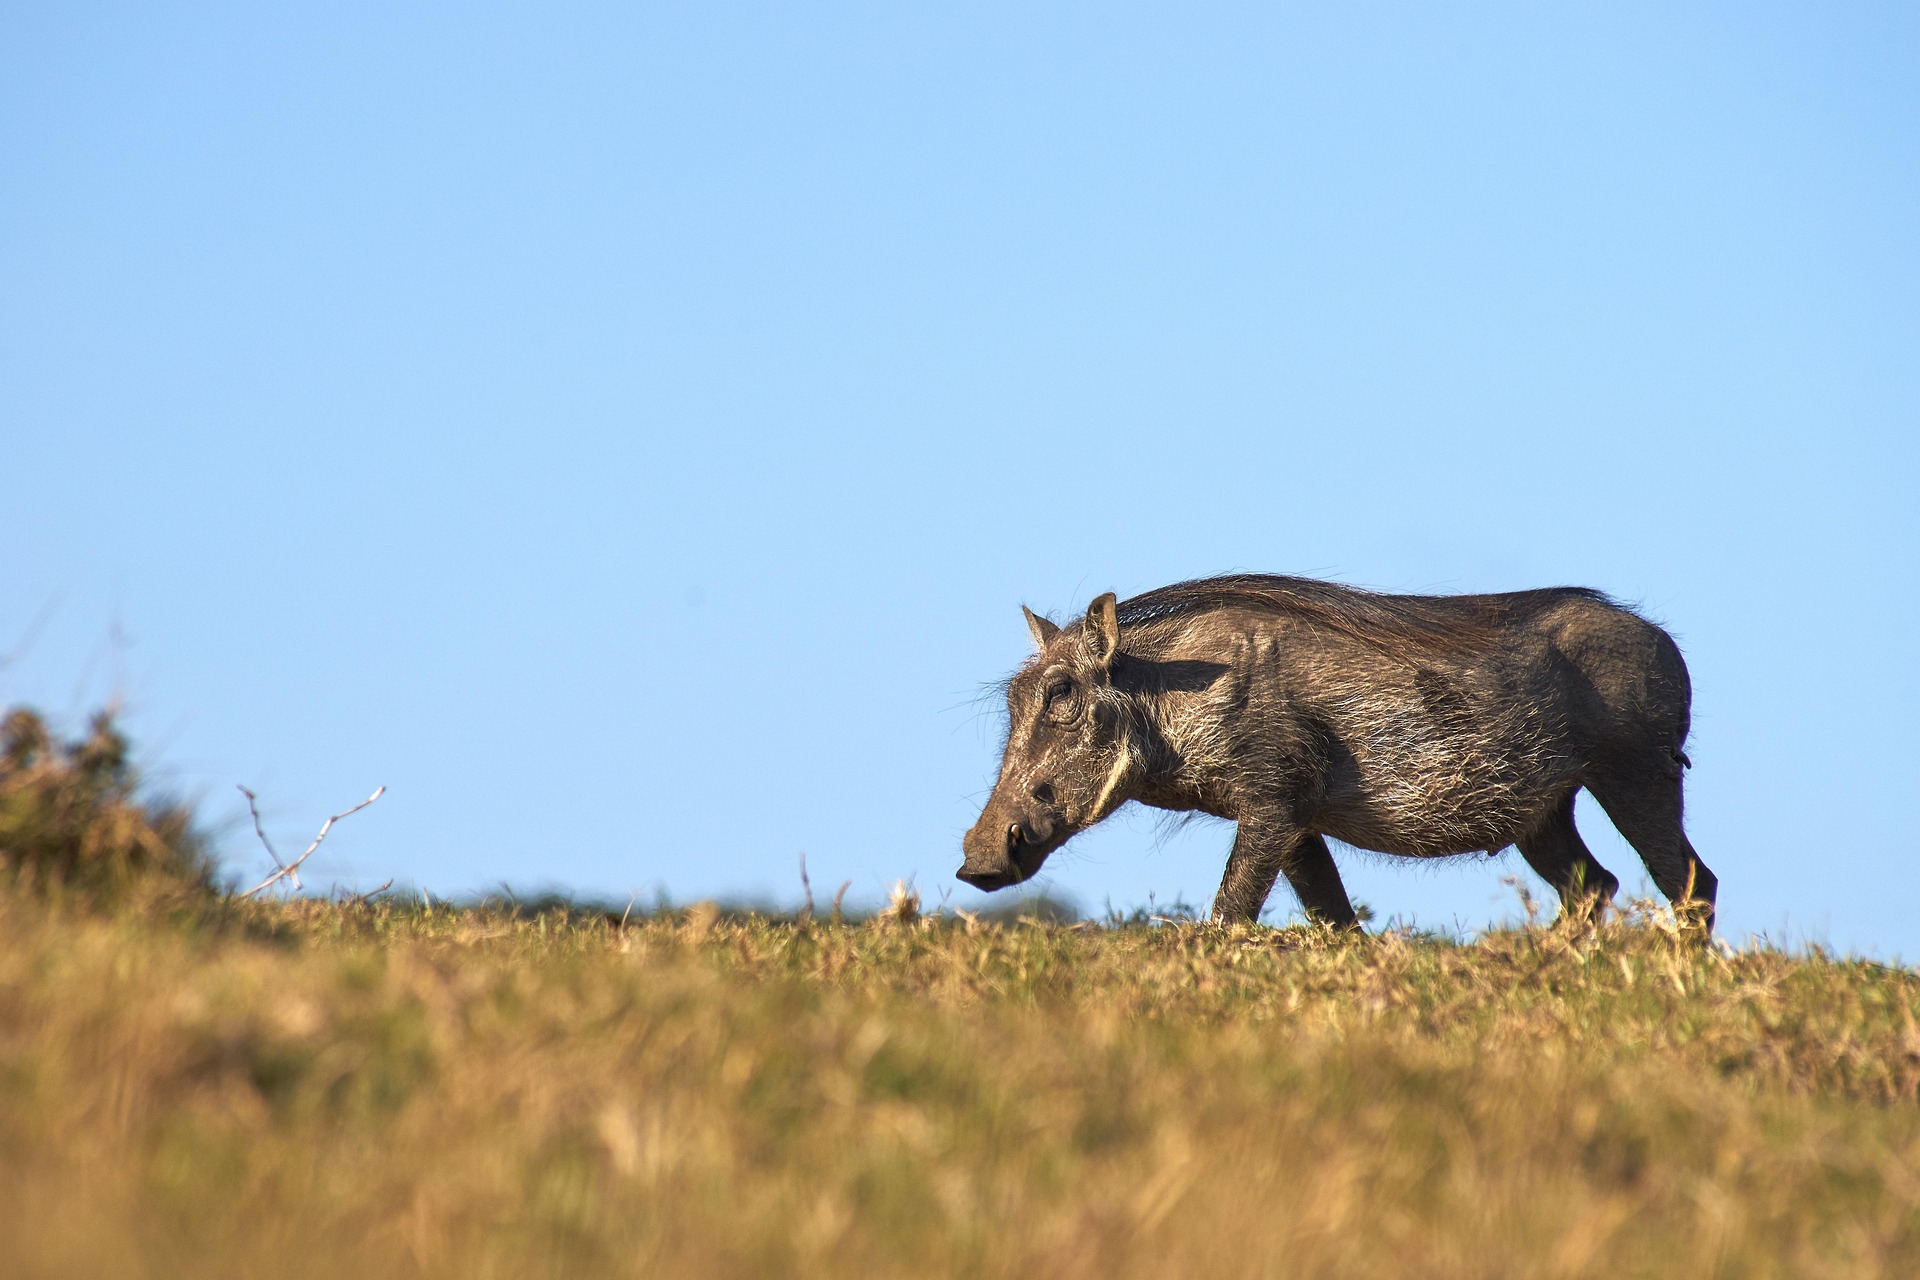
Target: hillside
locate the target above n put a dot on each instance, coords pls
(316, 1089)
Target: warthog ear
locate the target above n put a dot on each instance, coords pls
(1043, 630)
(1100, 633)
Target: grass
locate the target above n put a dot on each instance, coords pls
(319, 1089)
(194, 1084)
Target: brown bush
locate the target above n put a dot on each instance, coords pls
(73, 821)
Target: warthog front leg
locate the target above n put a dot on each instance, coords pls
(1264, 850)
(1646, 808)
(1559, 856)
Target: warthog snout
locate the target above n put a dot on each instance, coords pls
(1004, 849)
(989, 850)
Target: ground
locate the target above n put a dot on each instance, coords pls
(207, 1087)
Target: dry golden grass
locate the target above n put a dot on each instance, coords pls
(311, 1089)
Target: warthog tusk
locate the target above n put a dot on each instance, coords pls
(1122, 765)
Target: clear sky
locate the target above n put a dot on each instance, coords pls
(628, 431)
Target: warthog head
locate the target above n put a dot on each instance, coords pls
(1069, 752)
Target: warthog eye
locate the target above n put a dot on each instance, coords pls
(1060, 704)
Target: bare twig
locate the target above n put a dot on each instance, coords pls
(360, 899)
(254, 809)
(32, 633)
(844, 886)
(292, 869)
(806, 887)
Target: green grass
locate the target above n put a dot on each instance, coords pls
(311, 1089)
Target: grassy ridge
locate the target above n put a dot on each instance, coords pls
(321, 1090)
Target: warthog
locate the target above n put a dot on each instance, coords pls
(1423, 726)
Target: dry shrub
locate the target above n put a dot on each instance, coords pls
(73, 821)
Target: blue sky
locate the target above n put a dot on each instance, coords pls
(628, 432)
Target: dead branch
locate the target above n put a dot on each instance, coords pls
(32, 633)
(254, 809)
(361, 899)
(806, 887)
(292, 869)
